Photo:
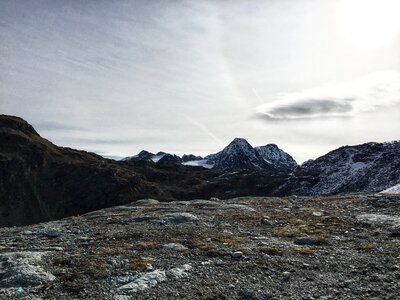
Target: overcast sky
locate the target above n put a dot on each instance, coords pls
(116, 77)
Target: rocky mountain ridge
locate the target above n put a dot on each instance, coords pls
(238, 155)
(370, 167)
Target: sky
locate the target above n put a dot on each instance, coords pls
(116, 77)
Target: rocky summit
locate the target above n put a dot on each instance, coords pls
(239, 154)
(335, 247)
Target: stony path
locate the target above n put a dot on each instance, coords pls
(344, 247)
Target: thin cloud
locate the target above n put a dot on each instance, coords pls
(311, 108)
(369, 93)
(204, 129)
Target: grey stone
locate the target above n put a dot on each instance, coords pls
(146, 202)
(286, 276)
(248, 294)
(22, 269)
(238, 207)
(395, 230)
(237, 254)
(378, 219)
(267, 221)
(178, 218)
(155, 277)
(178, 272)
(175, 246)
(306, 240)
(52, 233)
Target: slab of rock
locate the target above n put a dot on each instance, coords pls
(22, 269)
(306, 240)
(146, 202)
(378, 219)
(178, 218)
(155, 277)
(175, 246)
(238, 207)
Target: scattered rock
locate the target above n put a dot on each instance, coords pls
(378, 219)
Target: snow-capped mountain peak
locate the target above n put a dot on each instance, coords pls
(239, 154)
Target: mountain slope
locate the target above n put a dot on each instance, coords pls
(370, 167)
(40, 181)
(277, 157)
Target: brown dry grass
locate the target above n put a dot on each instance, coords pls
(145, 245)
(139, 264)
(270, 250)
(305, 251)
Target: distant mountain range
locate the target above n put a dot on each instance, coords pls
(238, 155)
(40, 181)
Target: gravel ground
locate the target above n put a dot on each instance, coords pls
(336, 247)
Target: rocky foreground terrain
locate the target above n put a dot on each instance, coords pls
(335, 247)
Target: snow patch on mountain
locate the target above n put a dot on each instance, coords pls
(277, 157)
(370, 167)
(239, 154)
(393, 190)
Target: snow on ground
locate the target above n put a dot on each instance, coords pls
(393, 190)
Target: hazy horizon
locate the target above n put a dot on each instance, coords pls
(189, 76)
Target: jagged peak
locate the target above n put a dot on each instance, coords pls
(145, 152)
(239, 142)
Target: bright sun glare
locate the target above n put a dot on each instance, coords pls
(369, 23)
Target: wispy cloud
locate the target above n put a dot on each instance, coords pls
(366, 94)
(204, 129)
